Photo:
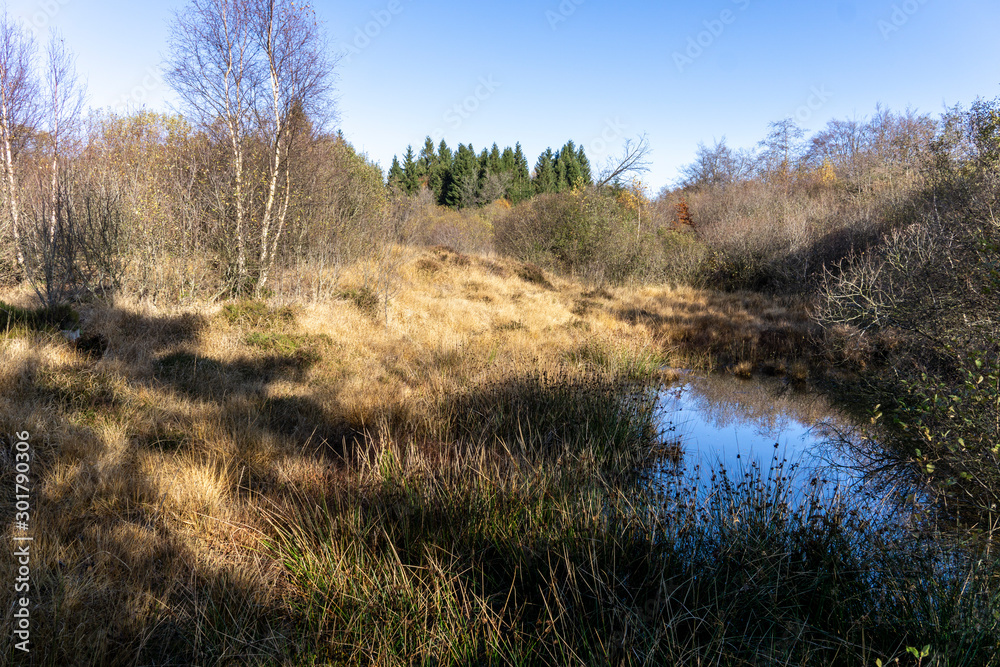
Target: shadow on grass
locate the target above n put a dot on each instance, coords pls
(239, 389)
(121, 587)
(133, 598)
(545, 416)
(731, 333)
(552, 568)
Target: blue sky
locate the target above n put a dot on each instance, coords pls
(542, 72)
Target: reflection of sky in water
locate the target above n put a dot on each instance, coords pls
(733, 422)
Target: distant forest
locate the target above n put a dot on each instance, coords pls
(463, 179)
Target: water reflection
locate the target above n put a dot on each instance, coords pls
(723, 422)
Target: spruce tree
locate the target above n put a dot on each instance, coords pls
(396, 174)
(570, 170)
(545, 173)
(411, 177)
(507, 162)
(428, 157)
(427, 165)
(581, 156)
(464, 187)
(484, 171)
(521, 171)
(560, 164)
(445, 161)
(444, 153)
(508, 166)
(521, 187)
(493, 165)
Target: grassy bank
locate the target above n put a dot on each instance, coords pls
(447, 479)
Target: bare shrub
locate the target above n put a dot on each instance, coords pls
(586, 233)
(933, 286)
(261, 70)
(683, 259)
(342, 218)
(423, 222)
(75, 248)
(778, 218)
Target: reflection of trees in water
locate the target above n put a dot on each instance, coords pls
(767, 406)
(846, 462)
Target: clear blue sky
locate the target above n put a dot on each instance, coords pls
(588, 70)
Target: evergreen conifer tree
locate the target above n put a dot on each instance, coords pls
(444, 153)
(484, 170)
(545, 172)
(521, 171)
(411, 176)
(560, 164)
(396, 174)
(444, 169)
(428, 157)
(493, 165)
(427, 166)
(521, 186)
(573, 171)
(464, 187)
(581, 156)
(507, 161)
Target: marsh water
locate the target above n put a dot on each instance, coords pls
(723, 425)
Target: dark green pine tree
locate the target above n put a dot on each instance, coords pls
(444, 170)
(560, 164)
(396, 174)
(570, 172)
(521, 188)
(493, 165)
(427, 161)
(507, 161)
(484, 171)
(444, 153)
(464, 186)
(545, 172)
(411, 175)
(508, 166)
(581, 157)
(521, 171)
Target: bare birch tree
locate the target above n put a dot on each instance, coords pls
(299, 72)
(18, 91)
(212, 68)
(54, 228)
(260, 66)
(64, 98)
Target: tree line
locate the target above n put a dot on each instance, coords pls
(214, 196)
(464, 179)
(248, 185)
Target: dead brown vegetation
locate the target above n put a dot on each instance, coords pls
(157, 444)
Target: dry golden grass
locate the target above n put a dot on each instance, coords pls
(154, 459)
